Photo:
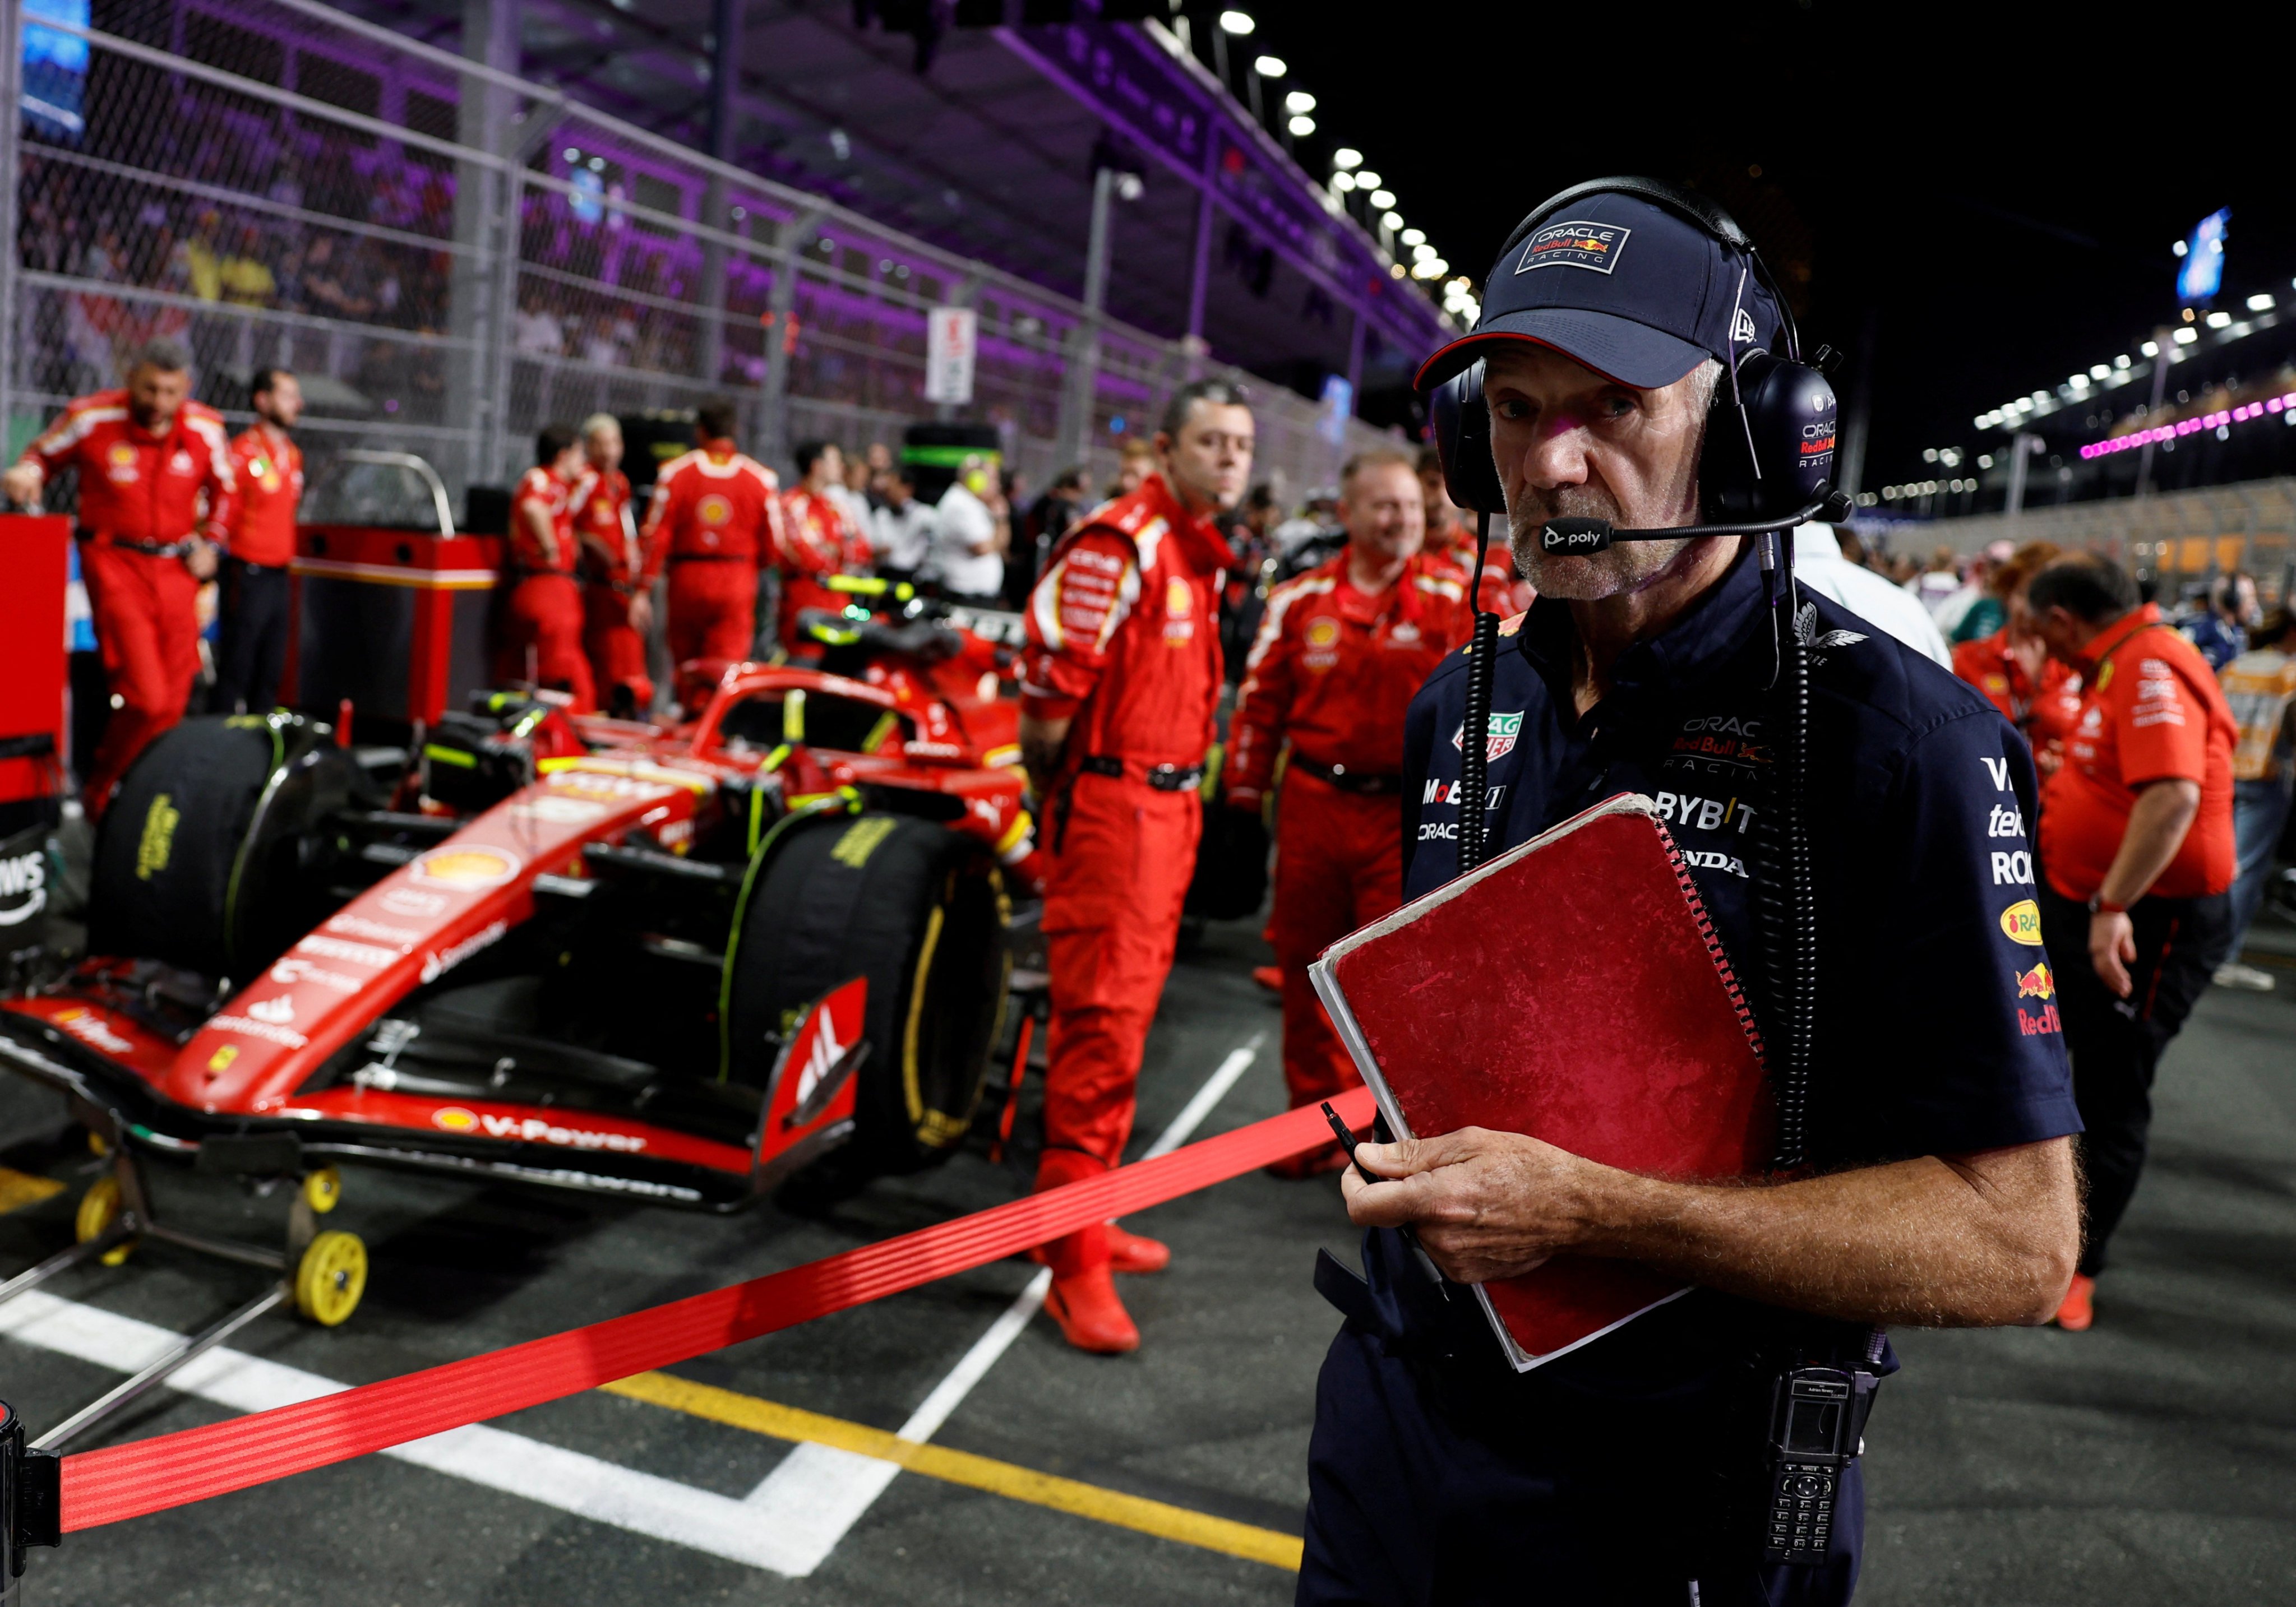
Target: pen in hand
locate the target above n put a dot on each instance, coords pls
(1346, 1138)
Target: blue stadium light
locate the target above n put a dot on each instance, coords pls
(2203, 274)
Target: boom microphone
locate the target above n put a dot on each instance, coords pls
(1582, 536)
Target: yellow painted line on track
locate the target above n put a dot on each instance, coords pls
(1158, 1518)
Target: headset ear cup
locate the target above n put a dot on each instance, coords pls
(1460, 420)
(1769, 444)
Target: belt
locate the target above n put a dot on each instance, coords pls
(1347, 780)
(711, 558)
(1163, 778)
(149, 549)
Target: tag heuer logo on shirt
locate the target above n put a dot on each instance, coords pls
(1501, 739)
(1574, 245)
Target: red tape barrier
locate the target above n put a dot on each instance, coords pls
(125, 1481)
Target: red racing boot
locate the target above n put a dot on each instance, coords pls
(1127, 1251)
(2078, 1310)
(1084, 1303)
(1136, 1251)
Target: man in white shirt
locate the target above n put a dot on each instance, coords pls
(901, 531)
(972, 533)
(1818, 565)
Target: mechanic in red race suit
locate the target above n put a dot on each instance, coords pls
(541, 624)
(715, 521)
(267, 469)
(155, 495)
(1118, 687)
(2039, 695)
(1340, 653)
(617, 605)
(817, 541)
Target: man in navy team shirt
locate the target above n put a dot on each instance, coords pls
(1942, 1189)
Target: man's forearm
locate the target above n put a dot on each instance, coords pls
(1963, 1240)
(1927, 1241)
(2162, 815)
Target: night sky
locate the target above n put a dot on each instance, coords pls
(1987, 193)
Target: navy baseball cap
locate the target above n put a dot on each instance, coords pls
(1632, 289)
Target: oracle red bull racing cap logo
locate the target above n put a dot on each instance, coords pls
(1574, 245)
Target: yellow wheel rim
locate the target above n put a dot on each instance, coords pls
(99, 1208)
(323, 1190)
(331, 1278)
(95, 1144)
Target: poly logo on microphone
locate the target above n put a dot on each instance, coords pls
(1573, 538)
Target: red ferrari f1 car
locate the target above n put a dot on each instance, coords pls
(669, 962)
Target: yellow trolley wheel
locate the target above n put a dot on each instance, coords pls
(99, 1208)
(331, 1278)
(95, 1144)
(323, 1190)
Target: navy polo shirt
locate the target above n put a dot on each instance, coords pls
(1937, 1034)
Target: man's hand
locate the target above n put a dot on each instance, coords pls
(1042, 743)
(2112, 948)
(1948, 1241)
(641, 612)
(23, 483)
(1486, 1204)
(200, 558)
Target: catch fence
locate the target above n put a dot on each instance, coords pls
(450, 257)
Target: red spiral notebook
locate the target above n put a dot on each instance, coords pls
(1573, 988)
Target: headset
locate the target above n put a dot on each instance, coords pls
(1764, 468)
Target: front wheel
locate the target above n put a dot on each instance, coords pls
(921, 911)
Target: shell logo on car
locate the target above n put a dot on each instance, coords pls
(454, 1119)
(469, 869)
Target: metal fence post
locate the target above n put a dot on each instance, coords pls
(486, 239)
(773, 424)
(1083, 377)
(717, 204)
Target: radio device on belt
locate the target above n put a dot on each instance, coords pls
(1764, 469)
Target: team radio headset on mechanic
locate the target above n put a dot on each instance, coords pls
(1119, 687)
(1625, 356)
(155, 493)
(1340, 652)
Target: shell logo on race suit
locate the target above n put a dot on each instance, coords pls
(714, 509)
(472, 869)
(1323, 633)
(119, 463)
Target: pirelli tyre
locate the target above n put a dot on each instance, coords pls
(203, 858)
(918, 910)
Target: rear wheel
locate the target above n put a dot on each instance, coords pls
(199, 862)
(918, 910)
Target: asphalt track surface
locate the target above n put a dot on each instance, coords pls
(2152, 1460)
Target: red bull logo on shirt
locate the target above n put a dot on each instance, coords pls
(2036, 983)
